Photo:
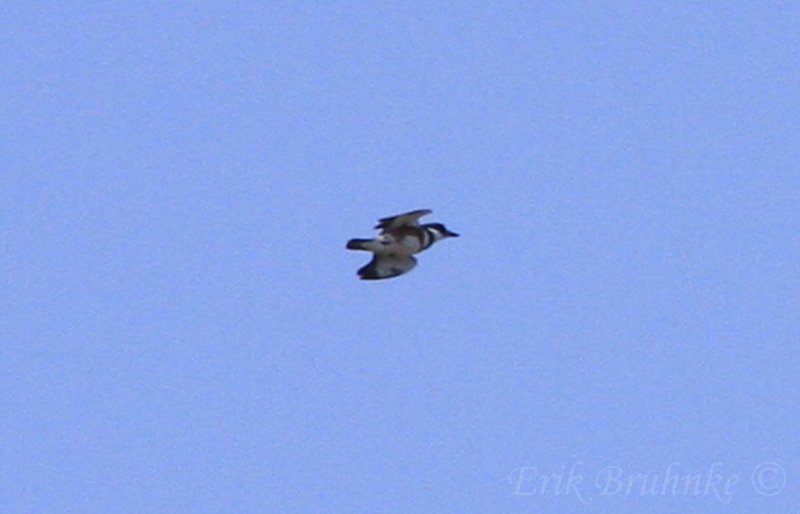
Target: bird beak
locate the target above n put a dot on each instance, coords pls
(451, 234)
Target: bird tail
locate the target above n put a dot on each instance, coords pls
(358, 244)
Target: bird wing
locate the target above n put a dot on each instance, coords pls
(409, 218)
(386, 267)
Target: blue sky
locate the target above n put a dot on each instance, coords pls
(183, 330)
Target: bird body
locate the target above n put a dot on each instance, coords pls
(399, 239)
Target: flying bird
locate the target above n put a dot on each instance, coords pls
(400, 238)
